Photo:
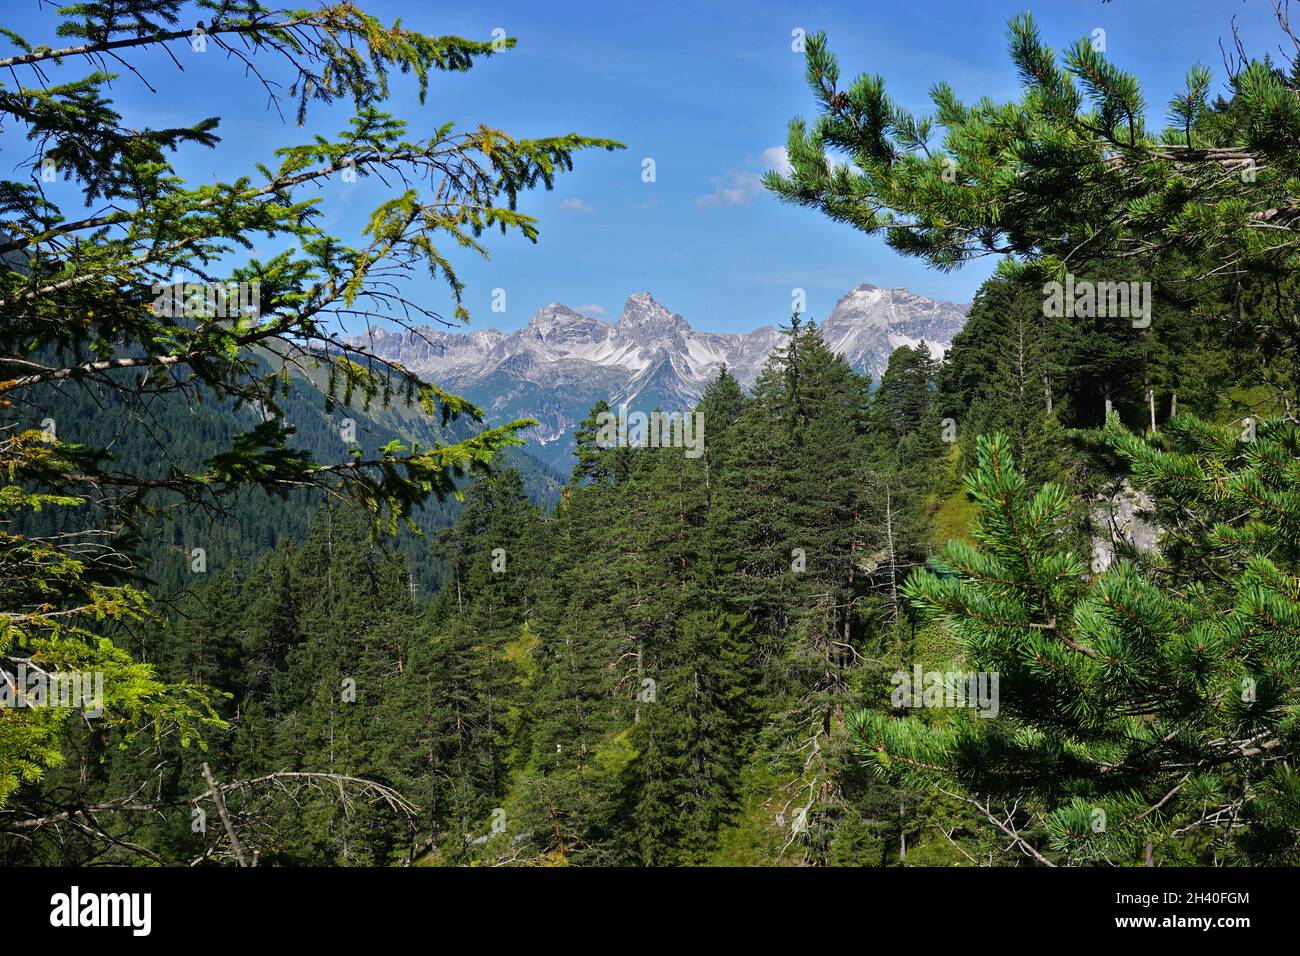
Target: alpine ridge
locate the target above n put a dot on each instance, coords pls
(562, 362)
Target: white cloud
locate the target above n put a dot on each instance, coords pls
(737, 188)
(775, 158)
(593, 310)
(576, 204)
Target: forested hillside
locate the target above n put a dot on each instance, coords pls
(1033, 603)
(140, 430)
(659, 671)
(665, 668)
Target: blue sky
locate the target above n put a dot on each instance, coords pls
(706, 90)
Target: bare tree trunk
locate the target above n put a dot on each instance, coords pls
(1020, 356)
(893, 559)
(219, 799)
(640, 669)
(902, 833)
(844, 655)
(1047, 391)
(1151, 392)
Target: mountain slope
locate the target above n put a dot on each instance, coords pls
(138, 429)
(562, 362)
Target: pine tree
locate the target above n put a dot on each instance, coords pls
(1139, 706)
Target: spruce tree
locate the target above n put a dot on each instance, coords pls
(86, 291)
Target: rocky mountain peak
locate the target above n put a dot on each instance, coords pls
(642, 315)
(557, 316)
(559, 364)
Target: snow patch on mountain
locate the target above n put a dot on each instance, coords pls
(563, 361)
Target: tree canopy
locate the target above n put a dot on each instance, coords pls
(90, 299)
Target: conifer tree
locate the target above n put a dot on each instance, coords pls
(1071, 172)
(1143, 706)
(788, 513)
(87, 297)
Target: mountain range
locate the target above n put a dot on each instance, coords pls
(562, 362)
